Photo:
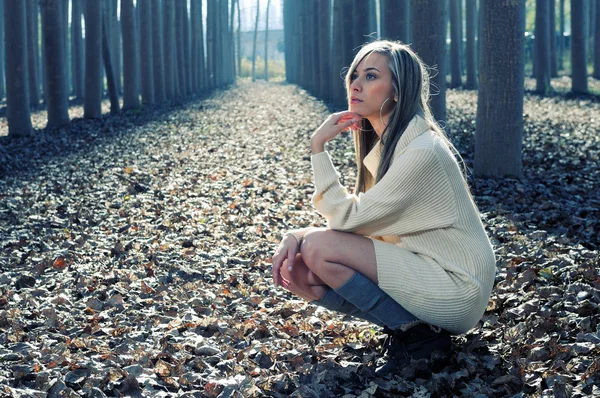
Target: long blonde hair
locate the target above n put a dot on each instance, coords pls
(410, 80)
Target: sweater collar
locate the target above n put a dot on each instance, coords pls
(417, 126)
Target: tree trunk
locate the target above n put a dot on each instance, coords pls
(552, 37)
(324, 47)
(597, 44)
(195, 46)
(471, 13)
(239, 39)
(232, 59)
(131, 98)
(115, 44)
(92, 106)
(498, 140)
(54, 51)
(211, 52)
(395, 19)
(561, 36)
(157, 52)
(32, 54)
(578, 48)
(185, 23)
(254, 41)
(203, 75)
(360, 26)
(266, 72)
(428, 22)
(77, 49)
(542, 48)
(17, 84)
(455, 53)
(179, 41)
(169, 47)
(146, 59)
(108, 66)
(2, 86)
(342, 50)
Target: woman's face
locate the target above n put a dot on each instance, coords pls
(370, 86)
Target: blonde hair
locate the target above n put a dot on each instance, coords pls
(410, 80)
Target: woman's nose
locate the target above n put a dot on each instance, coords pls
(354, 86)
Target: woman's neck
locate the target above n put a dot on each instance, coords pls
(379, 124)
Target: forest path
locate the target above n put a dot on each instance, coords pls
(134, 257)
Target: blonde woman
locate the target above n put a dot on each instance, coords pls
(407, 250)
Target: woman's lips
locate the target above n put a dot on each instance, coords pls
(355, 101)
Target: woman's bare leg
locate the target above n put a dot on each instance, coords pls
(335, 256)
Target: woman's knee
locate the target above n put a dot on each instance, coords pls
(313, 243)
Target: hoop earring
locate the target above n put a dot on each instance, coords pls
(381, 110)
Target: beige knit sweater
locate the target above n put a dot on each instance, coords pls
(433, 255)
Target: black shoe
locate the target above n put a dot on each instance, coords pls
(417, 342)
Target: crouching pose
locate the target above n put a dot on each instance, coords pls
(407, 251)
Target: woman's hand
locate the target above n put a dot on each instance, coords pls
(288, 248)
(331, 127)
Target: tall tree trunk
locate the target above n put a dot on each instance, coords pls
(179, 40)
(232, 59)
(498, 140)
(267, 41)
(395, 19)
(578, 47)
(157, 52)
(77, 54)
(92, 105)
(169, 47)
(131, 98)
(186, 48)
(471, 8)
(115, 44)
(2, 86)
(32, 54)
(323, 13)
(254, 41)
(239, 38)
(146, 59)
(194, 36)
(542, 47)
(597, 44)
(429, 21)
(561, 36)
(312, 48)
(360, 25)
(108, 65)
(290, 24)
(203, 74)
(552, 28)
(342, 50)
(17, 84)
(455, 53)
(211, 51)
(54, 43)
(64, 8)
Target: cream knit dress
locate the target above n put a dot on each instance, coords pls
(433, 255)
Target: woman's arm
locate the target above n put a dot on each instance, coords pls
(415, 194)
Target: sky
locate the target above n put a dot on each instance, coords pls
(248, 14)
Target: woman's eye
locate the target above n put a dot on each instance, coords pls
(370, 76)
(353, 77)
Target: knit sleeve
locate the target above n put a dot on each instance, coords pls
(414, 195)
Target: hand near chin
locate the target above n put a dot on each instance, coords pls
(335, 124)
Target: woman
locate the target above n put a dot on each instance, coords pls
(408, 251)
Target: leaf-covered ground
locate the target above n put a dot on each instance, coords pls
(134, 258)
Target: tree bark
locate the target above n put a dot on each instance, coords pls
(185, 23)
(77, 53)
(429, 21)
(455, 53)
(33, 54)
(131, 98)
(239, 38)
(471, 14)
(542, 47)
(498, 139)
(395, 19)
(578, 48)
(157, 52)
(360, 26)
(146, 59)
(211, 51)
(254, 41)
(324, 47)
(552, 36)
(92, 106)
(561, 36)
(115, 44)
(17, 85)
(597, 44)
(54, 51)
(266, 72)
(108, 65)
(169, 47)
(2, 86)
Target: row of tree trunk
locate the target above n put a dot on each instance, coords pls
(155, 51)
(317, 49)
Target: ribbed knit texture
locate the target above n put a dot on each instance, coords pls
(433, 255)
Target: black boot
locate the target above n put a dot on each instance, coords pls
(418, 342)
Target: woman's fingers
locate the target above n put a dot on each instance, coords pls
(277, 261)
(291, 255)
